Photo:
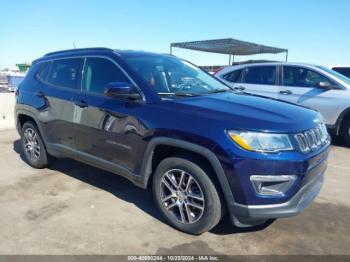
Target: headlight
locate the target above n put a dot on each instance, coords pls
(261, 142)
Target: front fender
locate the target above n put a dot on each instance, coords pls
(146, 167)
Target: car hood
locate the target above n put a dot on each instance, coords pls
(244, 111)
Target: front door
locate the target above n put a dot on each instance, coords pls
(300, 85)
(108, 128)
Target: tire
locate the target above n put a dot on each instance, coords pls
(33, 147)
(346, 131)
(199, 191)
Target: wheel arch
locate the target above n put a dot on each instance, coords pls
(343, 116)
(23, 116)
(147, 167)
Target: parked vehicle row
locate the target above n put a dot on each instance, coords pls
(161, 122)
(315, 87)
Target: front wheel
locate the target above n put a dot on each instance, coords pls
(186, 196)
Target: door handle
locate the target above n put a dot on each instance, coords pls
(286, 92)
(39, 94)
(239, 88)
(81, 103)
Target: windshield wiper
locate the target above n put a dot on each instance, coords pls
(178, 94)
(185, 94)
(216, 91)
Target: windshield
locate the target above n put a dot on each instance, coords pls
(336, 74)
(169, 75)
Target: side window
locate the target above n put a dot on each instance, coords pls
(260, 75)
(65, 73)
(233, 76)
(98, 72)
(44, 71)
(303, 77)
(313, 78)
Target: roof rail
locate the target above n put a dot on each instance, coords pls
(79, 50)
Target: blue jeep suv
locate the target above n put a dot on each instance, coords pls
(161, 122)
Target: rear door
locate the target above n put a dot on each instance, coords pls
(260, 80)
(59, 88)
(300, 85)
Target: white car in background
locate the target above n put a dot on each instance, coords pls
(316, 87)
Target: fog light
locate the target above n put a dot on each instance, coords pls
(272, 185)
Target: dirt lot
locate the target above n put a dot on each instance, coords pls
(72, 208)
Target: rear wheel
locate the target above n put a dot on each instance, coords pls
(33, 147)
(186, 196)
(346, 131)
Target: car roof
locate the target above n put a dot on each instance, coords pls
(236, 67)
(130, 53)
(94, 50)
(272, 63)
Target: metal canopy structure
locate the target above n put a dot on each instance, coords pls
(230, 47)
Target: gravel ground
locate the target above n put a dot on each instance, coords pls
(72, 208)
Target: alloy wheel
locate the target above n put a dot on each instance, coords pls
(31, 144)
(182, 196)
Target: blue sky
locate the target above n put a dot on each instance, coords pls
(314, 31)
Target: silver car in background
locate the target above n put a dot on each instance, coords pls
(313, 86)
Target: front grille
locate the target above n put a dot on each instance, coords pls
(313, 139)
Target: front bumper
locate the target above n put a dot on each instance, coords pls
(248, 215)
(291, 208)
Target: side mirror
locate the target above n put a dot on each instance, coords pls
(325, 85)
(122, 90)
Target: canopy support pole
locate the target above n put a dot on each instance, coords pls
(171, 50)
(229, 60)
(287, 56)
